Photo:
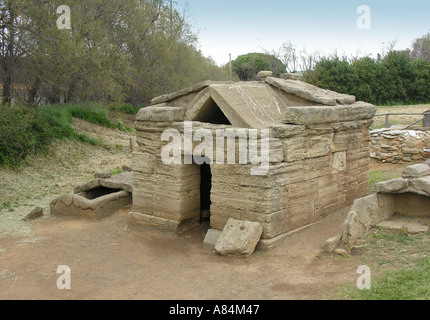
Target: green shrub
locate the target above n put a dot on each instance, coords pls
(90, 112)
(22, 132)
(395, 78)
(126, 108)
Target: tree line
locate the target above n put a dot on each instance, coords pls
(398, 77)
(393, 77)
(116, 51)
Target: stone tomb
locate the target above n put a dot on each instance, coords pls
(97, 199)
(402, 203)
(318, 156)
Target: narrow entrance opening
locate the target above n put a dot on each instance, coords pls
(210, 112)
(205, 192)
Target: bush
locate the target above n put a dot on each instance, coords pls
(22, 132)
(394, 79)
(249, 65)
(126, 108)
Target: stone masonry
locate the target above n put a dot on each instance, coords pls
(319, 156)
(399, 146)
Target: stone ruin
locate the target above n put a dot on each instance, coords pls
(98, 198)
(395, 145)
(402, 203)
(318, 159)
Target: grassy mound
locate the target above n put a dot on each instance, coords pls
(25, 131)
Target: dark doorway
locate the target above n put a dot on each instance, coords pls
(210, 112)
(205, 192)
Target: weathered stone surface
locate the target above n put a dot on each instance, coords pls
(286, 131)
(123, 181)
(412, 204)
(325, 114)
(365, 214)
(332, 243)
(249, 104)
(264, 74)
(239, 238)
(310, 92)
(127, 168)
(103, 175)
(171, 96)
(414, 228)
(164, 114)
(87, 186)
(137, 219)
(405, 223)
(390, 186)
(416, 171)
(291, 76)
(78, 206)
(36, 213)
(420, 185)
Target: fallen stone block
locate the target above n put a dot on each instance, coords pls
(239, 238)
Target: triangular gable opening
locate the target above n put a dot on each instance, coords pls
(210, 112)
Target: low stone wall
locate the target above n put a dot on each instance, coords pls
(397, 146)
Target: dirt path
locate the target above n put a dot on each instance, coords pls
(107, 261)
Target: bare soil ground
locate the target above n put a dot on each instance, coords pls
(109, 261)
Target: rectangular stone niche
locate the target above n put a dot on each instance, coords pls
(95, 204)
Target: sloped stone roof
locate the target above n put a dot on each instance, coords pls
(255, 104)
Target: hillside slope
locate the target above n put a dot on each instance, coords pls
(43, 178)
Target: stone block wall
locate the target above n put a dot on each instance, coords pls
(399, 146)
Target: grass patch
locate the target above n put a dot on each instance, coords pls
(378, 176)
(412, 283)
(94, 113)
(125, 108)
(116, 171)
(400, 266)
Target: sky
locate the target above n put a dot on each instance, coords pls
(239, 27)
